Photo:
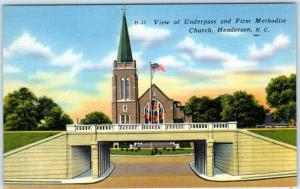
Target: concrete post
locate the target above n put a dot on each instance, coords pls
(140, 127)
(210, 157)
(101, 159)
(232, 125)
(95, 159)
(197, 153)
(108, 156)
(70, 128)
(104, 157)
(186, 126)
(210, 126)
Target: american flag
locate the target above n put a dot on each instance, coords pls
(157, 67)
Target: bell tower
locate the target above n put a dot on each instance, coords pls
(125, 107)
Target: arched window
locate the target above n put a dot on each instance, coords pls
(122, 88)
(127, 89)
(157, 111)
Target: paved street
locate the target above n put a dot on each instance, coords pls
(136, 172)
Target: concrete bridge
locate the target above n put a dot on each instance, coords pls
(204, 134)
(86, 147)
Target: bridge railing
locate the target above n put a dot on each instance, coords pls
(152, 127)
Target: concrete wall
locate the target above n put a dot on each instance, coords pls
(80, 160)
(258, 154)
(54, 158)
(224, 158)
(43, 159)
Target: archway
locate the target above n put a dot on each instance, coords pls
(157, 112)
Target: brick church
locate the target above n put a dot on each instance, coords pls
(127, 105)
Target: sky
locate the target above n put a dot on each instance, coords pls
(66, 52)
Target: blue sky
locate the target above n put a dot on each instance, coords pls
(66, 52)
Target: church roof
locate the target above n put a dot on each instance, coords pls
(124, 51)
(155, 87)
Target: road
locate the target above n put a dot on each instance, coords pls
(160, 172)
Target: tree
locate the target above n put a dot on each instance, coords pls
(244, 109)
(24, 111)
(55, 119)
(51, 116)
(222, 100)
(281, 97)
(45, 105)
(20, 110)
(203, 109)
(95, 118)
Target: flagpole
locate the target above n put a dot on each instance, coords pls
(150, 102)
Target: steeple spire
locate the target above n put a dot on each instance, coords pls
(124, 52)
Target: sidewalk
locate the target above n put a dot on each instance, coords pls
(219, 175)
(85, 178)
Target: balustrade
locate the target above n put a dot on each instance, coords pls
(152, 127)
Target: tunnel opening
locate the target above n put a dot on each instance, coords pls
(80, 161)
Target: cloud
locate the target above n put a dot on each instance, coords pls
(74, 102)
(205, 54)
(202, 53)
(281, 42)
(73, 61)
(67, 59)
(147, 35)
(27, 45)
(171, 62)
(77, 63)
(53, 79)
(238, 65)
(8, 69)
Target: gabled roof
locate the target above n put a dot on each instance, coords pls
(124, 51)
(154, 86)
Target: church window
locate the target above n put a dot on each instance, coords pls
(127, 89)
(127, 119)
(124, 119)
(122, 88)
(124, 108)
(156, 115)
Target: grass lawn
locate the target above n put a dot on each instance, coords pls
(283, 135)
(148, 151)
(16, 139)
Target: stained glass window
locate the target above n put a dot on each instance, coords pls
(157, 113)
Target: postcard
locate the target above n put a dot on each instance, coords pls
(149, 95)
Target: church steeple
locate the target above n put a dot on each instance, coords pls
(124, 51)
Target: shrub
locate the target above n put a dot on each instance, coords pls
(152, 152)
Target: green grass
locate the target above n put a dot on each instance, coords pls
(283, 135)
(16, 139)
(148, 152)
